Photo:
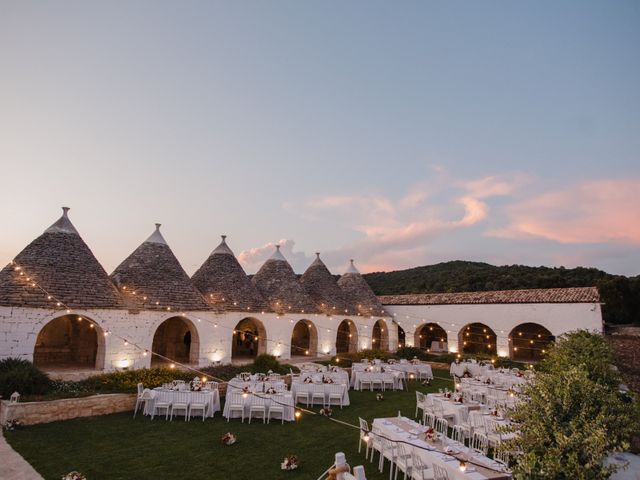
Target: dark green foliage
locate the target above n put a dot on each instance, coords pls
(17, 375)
(620, 294)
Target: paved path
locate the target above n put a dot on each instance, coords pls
(14, 467)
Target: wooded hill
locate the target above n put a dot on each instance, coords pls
(620, 294)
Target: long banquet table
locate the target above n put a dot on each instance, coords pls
(404, 429)
(211, 398)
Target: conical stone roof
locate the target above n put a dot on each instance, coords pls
(279, 285)
(225, 285)
(322, 288)
(153, 271)
(359, 295)
(63, 265)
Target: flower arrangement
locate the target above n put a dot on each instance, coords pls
(379, 397)
(271, 391)
(290, 463)
(246, 389)
(308, 380)
(520, 374)
(447, 394)
(74, 476)
(392, 361)
(488, 381)
(11, 425)
(430, 435)
(458, 398)
(466, 373)
(327, 412)
(327, 379)
(196, 385)
(228, 438)
(494, 412)
(415, 360)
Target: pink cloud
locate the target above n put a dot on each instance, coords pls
(599, 211)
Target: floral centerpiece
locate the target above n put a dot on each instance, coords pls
(11, 425)
(488, 381)
(228, 438)
(430, 435)
(327, 412)
(196, 384)
(415, 360)
(494, 412)
(520, 374)
(334, 369)
(458, 398)
(74, 476)
(447, 394)
(290, 462)
(466, 373)
(271, 391)
(379, 397)
(308, 380)
(327, 379)
(246, 390)
(392, 361)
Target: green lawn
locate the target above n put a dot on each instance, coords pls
(119, 447)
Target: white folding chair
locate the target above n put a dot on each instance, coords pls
(420, 470)
(429, 419)
(375, 441)
(501, 455)
(139, 400)
(303, 393)
(211, 385)
(336, 393)
(277, 405)
(420, 402)
(479, 443)
(180, 404)
(236, 404)
(388, 452)
(404, 461)
(441, 426)
(365, 379)
(258, 405)
(376, 381)
(388, 380)
(317, 393)
(457, 434)
(198, 404)
(162, 402)
(476, 420)
(364, 430)
(439, 472)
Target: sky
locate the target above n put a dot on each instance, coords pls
(396, 133)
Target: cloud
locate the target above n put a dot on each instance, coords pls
(600, 211)
(253, 258)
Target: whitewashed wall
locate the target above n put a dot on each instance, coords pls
(19, 328)
(558, 318)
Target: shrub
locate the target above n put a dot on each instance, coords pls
(574, 416)
(127, 381)
(18, 375)
(410, 352)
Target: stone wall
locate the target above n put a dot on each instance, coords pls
(31, 413)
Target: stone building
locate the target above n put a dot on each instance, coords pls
(59, 307)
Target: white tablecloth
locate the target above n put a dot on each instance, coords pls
(328, 388)
(411, 368)
(408, 433)
(212, 399)
(257, 386)
(337, 377)
(460, 411)
(285, 398)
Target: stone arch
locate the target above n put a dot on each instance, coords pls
(402, 337)
(428, 333)
(176, 339)
(304, 339)
(249, 338)
(380, 335)
(70, 341)
(347, 337)
(528, 342)
(477, 338)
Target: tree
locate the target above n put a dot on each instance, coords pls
(572, 416)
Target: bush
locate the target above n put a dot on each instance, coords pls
(127, 381)
(18, 375)
(410, 352)
(574, 416)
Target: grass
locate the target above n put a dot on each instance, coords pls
(119, 447)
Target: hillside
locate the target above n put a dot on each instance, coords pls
(620, 294)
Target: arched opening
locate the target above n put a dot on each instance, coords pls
(431, 337)
(304, 339)
(380, 336)
(176, 339)
(529, 342)
(249, 339)
(402, 337)
(477, 338)
(70, 341)
(347, 337)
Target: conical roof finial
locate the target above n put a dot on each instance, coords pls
(156, 236)
(352, 268)
(223, 248)
(63, 224)
(277, 255)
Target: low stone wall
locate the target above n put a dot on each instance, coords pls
(31, 413)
